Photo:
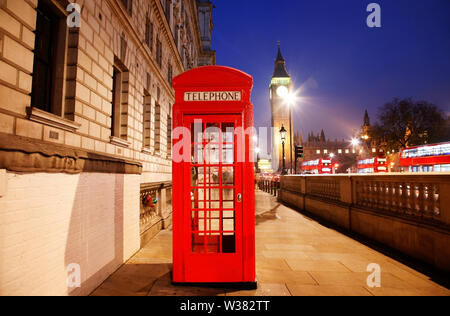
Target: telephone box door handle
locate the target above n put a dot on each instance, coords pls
(239, 197)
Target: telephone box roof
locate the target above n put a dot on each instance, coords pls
(213, 76)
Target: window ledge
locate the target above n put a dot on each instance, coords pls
(119, 142)
(52, 120)
(147, 151)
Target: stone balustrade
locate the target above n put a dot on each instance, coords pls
(271, 186)
(407, 212)
(155, 209)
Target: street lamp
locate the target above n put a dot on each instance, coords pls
(289, 98)
(257, 151)
(283, 133)
(355, 142)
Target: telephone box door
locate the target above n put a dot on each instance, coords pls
(213, 204)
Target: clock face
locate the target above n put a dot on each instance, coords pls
(282, 91)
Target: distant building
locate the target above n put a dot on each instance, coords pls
(85, 133)
(317, 146)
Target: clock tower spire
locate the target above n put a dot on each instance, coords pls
(280, 88)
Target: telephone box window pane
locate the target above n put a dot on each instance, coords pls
(228, 225)
(198, 243)
(213, 196)
(213, 226)
(197, 199)
(212, 133)
(228, 198)
(195, 220)
(229, 243)
(197, 176)
(197, 154)
(228, 215)
(228, 132)
(197, 132)
(212, 178)
(228, 194)
(212, 154)
(213, 244)
(228, 204)
(228, 176)
(228, 154)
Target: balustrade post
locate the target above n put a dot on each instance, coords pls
(444, 202)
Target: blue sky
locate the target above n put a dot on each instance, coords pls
(343, 66)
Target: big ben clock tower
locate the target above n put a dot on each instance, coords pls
(280, 88)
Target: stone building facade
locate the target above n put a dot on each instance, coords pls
(85, 133)
(319, 147)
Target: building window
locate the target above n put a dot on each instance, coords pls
(374, 150)
(147, 121)
(169, 74)
(159, 52)
(325, 151)
(149, 33)
(168, 7)
(128, 4)
(48, 86)
(158, 128)
(169, 134)
(347, 151)
(123, 47)
(339, 151)
(119, 116)
(318, 152)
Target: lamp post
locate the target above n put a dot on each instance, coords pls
(290, 98)
(290, 135)
(283, 133)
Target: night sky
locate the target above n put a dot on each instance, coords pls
(341, 66)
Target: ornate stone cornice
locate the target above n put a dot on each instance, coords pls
(20, 154)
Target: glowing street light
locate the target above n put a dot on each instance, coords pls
(289, 98)
(283, 133)
(355, 142)
(332, 155)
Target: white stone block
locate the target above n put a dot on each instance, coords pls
(3, 182)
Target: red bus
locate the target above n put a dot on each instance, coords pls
(373, 165)
(428, 158)
(318, 166)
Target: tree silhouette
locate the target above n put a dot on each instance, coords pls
(405, 123)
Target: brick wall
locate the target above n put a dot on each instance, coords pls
(49, 221)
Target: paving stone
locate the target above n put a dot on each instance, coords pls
(294, 256)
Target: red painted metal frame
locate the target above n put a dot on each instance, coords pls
(190, 267)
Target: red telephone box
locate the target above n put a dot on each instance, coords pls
(213, 177)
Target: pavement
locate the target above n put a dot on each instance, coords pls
(295, 256)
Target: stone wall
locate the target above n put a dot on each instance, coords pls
(409, 213)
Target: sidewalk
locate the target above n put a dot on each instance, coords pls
(295, 256)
